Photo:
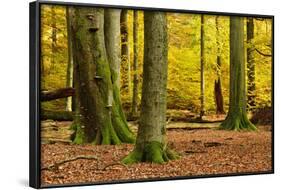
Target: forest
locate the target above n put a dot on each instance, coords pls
(132, 94)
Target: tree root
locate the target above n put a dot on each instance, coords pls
(237, 122)
(153, 152)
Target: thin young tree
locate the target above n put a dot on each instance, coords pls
(99, 118)
(69, 73)
(125, 52)
(251, 84)
(202, 64)
(217, 86)
(237, 116)
(151, 145)
(54, 34)
(135, 66)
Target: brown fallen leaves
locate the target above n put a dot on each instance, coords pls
(206, 151)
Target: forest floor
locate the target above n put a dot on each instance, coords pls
(204, 150)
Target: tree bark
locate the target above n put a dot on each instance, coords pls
(151, 144)
(217, 86)
(251, 93)
(135, 66)
(56, 94)
(54, 35)
(237, 117)
(202, 63)
(69, 74)
(99, 118)
(125, 53)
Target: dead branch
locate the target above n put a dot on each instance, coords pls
(57, 164)
(263, 54)
(114, 164)
(56, 94)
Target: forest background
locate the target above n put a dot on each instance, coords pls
(183, 91)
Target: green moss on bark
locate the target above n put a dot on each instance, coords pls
(96, 83)
(153, 152)
(80, 137)
(238, 122)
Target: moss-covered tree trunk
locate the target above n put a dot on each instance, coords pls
(135, 66)
(251, 84)
(99, 118)
(69, 73)
(151, 145)
(202, 63)
(217, 86)
(237, 117)
(125, 53)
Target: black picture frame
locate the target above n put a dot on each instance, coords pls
(34, 90)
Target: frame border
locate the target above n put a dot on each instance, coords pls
(34, 90)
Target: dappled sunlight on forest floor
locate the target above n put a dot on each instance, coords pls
(204, 150)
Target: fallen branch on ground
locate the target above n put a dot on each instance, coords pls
(114, 164)
(56, 94)
(57, 164)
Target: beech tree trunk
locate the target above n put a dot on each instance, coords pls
(237, 117)
(217, 86)
(135, 66)
(99, 118)
(69, 74)
(251, 93)
(202, 63)
(151, 144)
(125, 53)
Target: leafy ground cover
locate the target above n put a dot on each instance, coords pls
(204, 150)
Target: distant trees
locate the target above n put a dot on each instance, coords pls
(237, 116)
(69, 71)
(54, 34)
(99, 118)
(184, 58)
(91, 46)
(151, 144)
(218, 87)
(202, 64)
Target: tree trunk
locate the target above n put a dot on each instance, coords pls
(251, 93)
(54, 35)
(151, 145)
(69, 74)
(125, 53)
(217, 87)
(202, 63)
(99, 118)
(237, 117)
(135, 66)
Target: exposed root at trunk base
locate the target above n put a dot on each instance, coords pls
(107, 134)
(153, 152)
(238, 122)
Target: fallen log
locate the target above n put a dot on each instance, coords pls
(56, 94)
(57, 115)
